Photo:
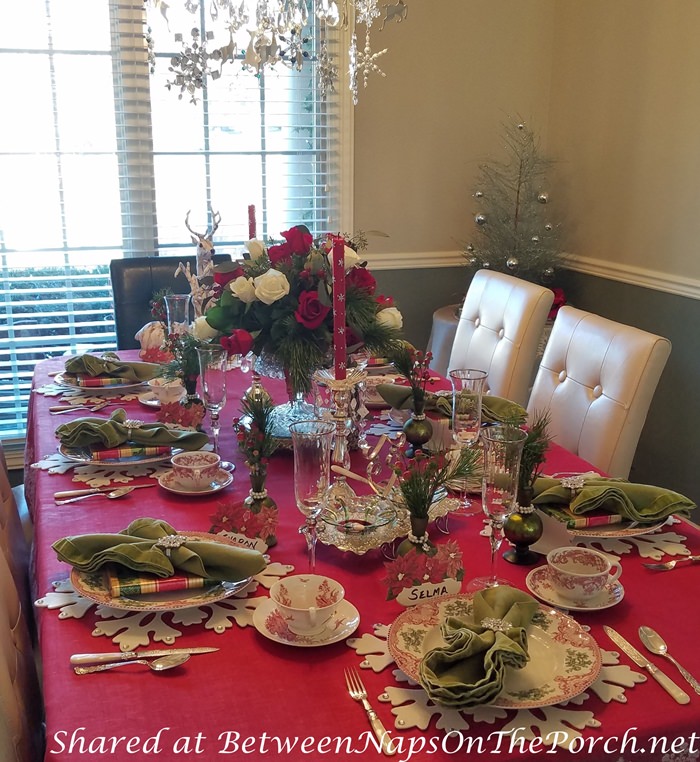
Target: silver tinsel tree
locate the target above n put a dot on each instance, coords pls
(514, 230)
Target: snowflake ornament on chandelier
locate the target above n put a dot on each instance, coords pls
(261, 34)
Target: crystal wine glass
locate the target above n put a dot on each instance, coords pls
(503, 447)
(212, 369)
(311, 441)
(468, 385)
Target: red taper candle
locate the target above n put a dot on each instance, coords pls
(339, 338)
(251, 221)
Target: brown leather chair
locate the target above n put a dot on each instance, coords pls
(134, 282)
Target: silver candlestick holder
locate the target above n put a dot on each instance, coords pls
(341, 390)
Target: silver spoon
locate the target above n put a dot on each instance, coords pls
(157, 665)
(115, 493)
(657, 645)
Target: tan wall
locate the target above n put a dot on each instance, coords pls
(456, 69)
(611, 86)
(625, 123)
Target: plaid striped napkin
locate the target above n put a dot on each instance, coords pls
(94, 381)
(123, 582)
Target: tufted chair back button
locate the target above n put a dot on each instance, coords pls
(597, 390)
(562, 376)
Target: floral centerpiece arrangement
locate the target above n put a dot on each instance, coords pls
(280, 301)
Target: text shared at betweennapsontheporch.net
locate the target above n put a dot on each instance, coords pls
(170, 744)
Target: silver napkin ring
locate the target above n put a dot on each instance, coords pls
(131, 424)
(171, 541)
(497, 625)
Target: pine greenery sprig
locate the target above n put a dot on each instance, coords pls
(254, 437)
(420, 477)
(534, 449)
(413, 365)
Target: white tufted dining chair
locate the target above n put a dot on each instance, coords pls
(499, 331)
(597, 378)
(13, 535)
(21, 729)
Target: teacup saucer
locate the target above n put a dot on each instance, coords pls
(538, 582)
(169, 481)
(268, 621)
(149, 399)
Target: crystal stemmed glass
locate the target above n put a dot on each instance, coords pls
(212, 369)
(468, 386)
(503, 447)
(311, 441)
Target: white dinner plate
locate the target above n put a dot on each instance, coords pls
(268, 621)
(61, 380)
(617, 531)
(564, 658)
(84, 455)
(94, 587)
(169, 482)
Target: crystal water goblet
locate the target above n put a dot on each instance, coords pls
(503, 447)
(212, 370)
(311, 441)
(177, 310)
(468, 385)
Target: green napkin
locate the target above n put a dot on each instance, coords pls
(135, 548)
(471, 668)
(493, 409)
(113, 431)
(639, 502)
(110, 365)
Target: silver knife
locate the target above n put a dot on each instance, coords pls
(96, 490)
(101, 658)
(661, 677)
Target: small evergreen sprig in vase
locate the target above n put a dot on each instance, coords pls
(414, 366)
(421, 477)
(257, 444)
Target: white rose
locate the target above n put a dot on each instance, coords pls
(243, 289)
(271, 286)
(255, 248)
(390, 317)
(351, 258)
(202, 330)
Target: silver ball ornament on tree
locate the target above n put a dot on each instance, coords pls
(548, 227)
(478, 194)
(480, 219)
(548, 274)
(470, 247)
(535, 239)
(486, 265)
(543, 197)
(512, 263)
(472, 261)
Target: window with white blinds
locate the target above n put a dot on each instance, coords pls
(98, 160)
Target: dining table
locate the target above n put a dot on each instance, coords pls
(258, 697)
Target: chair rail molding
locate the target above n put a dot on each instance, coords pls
(410, 260)
(636, 276)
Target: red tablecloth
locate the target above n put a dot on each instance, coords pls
(258, 699)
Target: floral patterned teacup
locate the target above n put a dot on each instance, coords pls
(579, 574)
(166, 391)
(195, 470)
(307, 601)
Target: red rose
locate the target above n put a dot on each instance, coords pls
(298, 239)
(240, 342)
(385, 301)
(279, 252)
(310, 312)
(221, 279)
(362, 279)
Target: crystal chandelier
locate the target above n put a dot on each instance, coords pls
(261, 34)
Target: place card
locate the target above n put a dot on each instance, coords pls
(250, 524)
(422, 572)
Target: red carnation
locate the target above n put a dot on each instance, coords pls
(240, 342)
(385, 301)
(310, 312)
(221, 279)
(298, 239)
(362, 279)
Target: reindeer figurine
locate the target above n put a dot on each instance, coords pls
(201, 283)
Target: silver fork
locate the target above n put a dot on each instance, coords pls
(358, 692)
(668, 565)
